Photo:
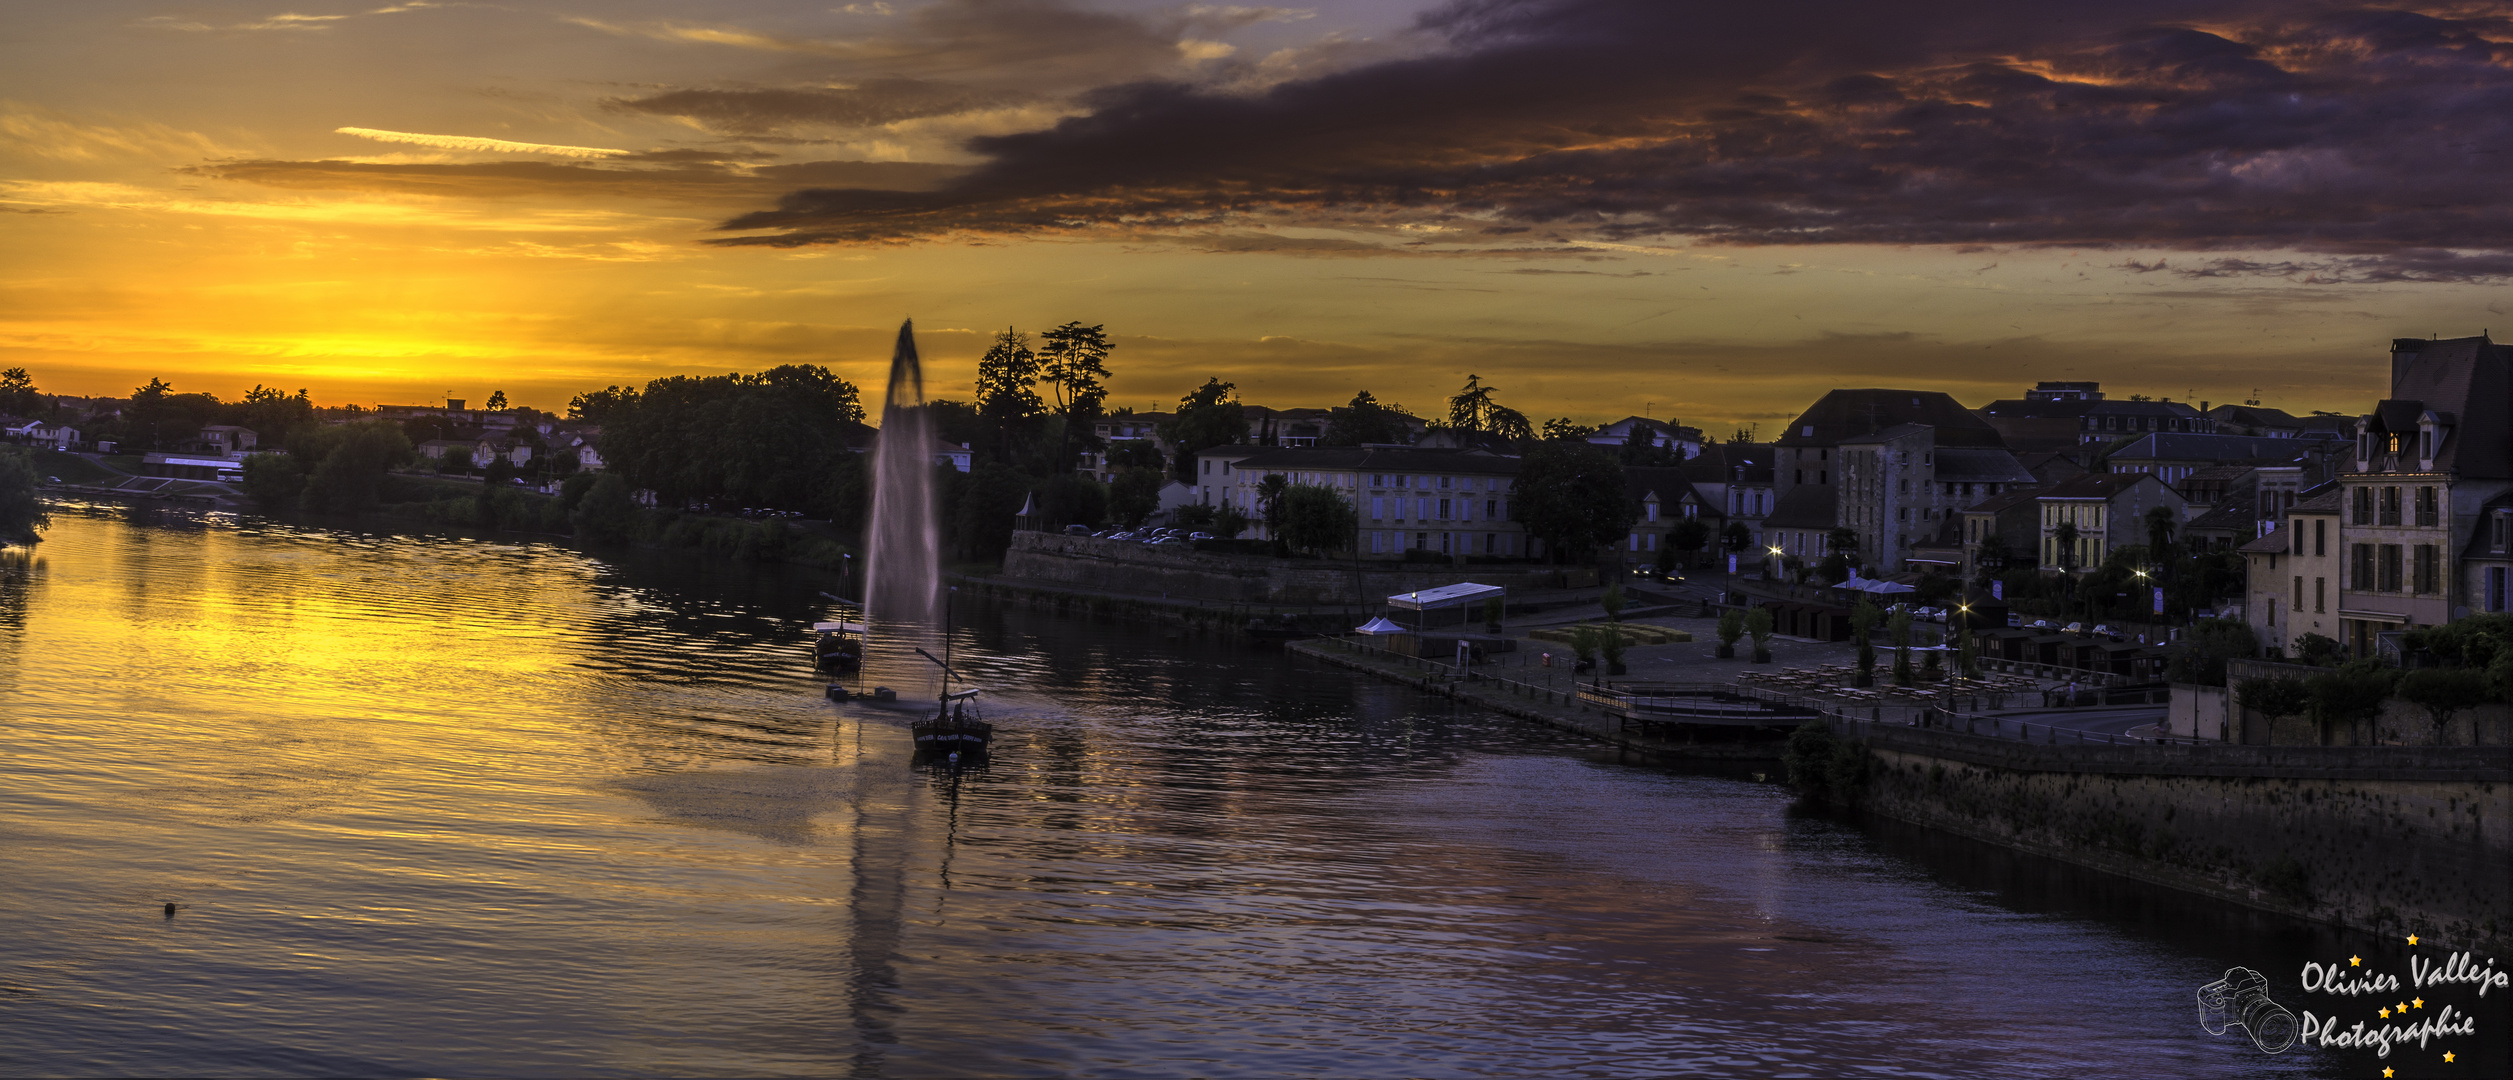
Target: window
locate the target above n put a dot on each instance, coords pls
(1208, 468)
(1650, 510)
(1902, 513)
(2364, 506)
(1444, 483)
(2426, 509)
(1489, 539)
(2497, 587)
(2503, 530)
(1444, 506)
(1376, 540)
(2428, 569)
(2299, 536)
(2391, 566)
(1378, 509)
(2390, 506)
(2320, 533)
(2361, 574)
(2320, 595)
(2425, 444)
(2299, 591)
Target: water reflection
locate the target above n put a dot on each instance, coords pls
(471, 807)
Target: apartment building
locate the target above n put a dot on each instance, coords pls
(1451, 502)
(2294, 573)
(2430, 460)
(2108, 512)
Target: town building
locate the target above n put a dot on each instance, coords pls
(2293, 572)
(2431, 460)
(2173, 457)
(1408, 499)
(1667, 498)
(2107, 512)
(2112, 421)
(2003, 532)
(1893, 496)
(1684, 442)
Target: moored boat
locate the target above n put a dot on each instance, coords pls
(839, 647)
(955, 727)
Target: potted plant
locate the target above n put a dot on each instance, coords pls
(1731, 627)
(1759, 625)
(1584, 642)
(1612, 601)
(1492, 614)
(1610, 642)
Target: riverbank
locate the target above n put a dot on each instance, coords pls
(2390, 839)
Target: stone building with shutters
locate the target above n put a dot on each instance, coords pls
(2433, 463)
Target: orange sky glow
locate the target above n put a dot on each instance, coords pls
(394, 202)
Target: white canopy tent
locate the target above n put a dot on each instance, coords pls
(1380, 626)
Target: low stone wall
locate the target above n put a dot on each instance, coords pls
(2383, 838)
(2402, 723)
(1081, 562)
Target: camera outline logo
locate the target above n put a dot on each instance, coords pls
(2241, 999)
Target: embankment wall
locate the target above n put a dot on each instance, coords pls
(2405, 839)
(1118, 566)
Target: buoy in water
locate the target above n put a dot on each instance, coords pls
(884, 693)
(170, 909)
(837, 692)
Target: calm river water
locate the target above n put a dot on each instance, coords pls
(451, 806)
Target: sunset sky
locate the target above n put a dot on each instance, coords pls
(1713, 211)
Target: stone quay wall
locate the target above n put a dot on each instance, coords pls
(2390, 839)
(1118, 566)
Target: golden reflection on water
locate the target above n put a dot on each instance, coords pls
(448, 806)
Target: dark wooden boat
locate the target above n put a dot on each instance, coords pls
(955, 727)
(839, 647)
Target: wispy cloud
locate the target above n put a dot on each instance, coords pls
(47, 134)
(470, 142)
(287, 20)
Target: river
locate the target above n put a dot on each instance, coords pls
(434, 806)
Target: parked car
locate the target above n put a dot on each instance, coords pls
(2015, 620)
(1199, 536)
(1077, 530)
(2043, 624)
(2103, 631)
(2073, 628)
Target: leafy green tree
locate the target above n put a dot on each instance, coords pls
(1193, 516)
(272, 412)
(2160, 524)
(2444, 693)
(2347, 696)
(1561, 429)
(608, 512)
(22, 515)
(2065, 537)
(1640, 447)
(1731, 627)
(1758, 623)
(1134, 497)
(571, 492)
(1571, 496)
(1072, 499)
(1007, 398)
(597, 406)
(733, 440)
(1841, 555)
(2320, 650)
(497, 401)
(1269, 501)
(1138, 454)
(1736, 537)
(159, 418)
(1612, 602)
(274, 480)
(1666, 558)
(1899, 626)
(1610, 644)
(2212, 643)
(2273, 697)
(18, 396)
(1208, 416)
(1473, 413)
(1074, 359)
(354, 459)
(1229, 521)
(1316, 519)
(1688, 537)
(981, 514)
(1365, 420)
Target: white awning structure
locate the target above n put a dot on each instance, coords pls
(1876, 585)
(837, 628)
(1446, 596)
(1380, 626)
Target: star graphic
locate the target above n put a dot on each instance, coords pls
(2386, 1072)
(2412, 939)
(2355, 961)
(2399, 1008)
(2421, 1002)
(2383, 1013)
(2447, 1056)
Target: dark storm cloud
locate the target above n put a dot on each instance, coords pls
(2372, 136)
(869, 104)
